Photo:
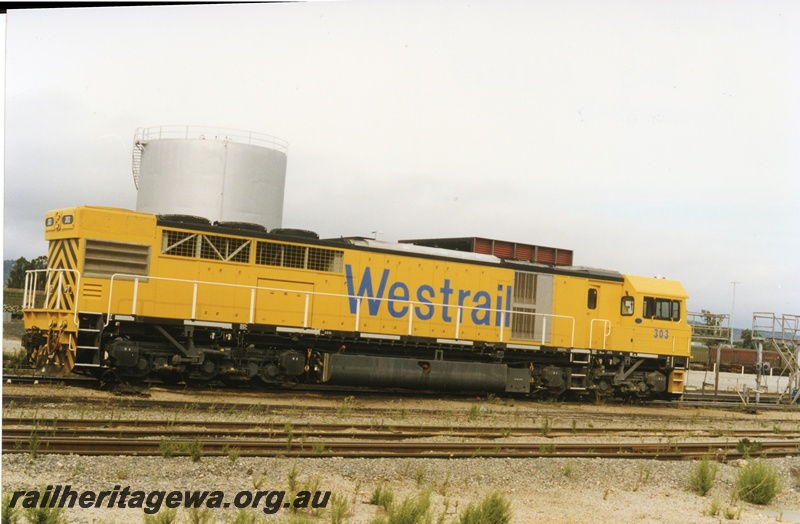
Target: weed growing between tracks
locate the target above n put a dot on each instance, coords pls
(168, 448)
(33, 445)
(195, 449)
(746, 447)
(232, 452)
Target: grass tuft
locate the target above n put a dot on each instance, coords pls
(339, 509)
(10, 515)
(195, 450)
(748, 447)
(382, 496)
(168, 448)
(757, 483)
(702, 477)
(494, 509)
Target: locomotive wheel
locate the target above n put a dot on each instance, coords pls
(263, 385)
(138, 374)
(233, 382)
(197, 382)
(203, 375)
(170, 378)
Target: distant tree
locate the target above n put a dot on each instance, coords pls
(747, 339)
(16, 278)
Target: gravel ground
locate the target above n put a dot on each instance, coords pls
(544, 490)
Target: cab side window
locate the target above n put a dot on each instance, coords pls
(592, 299)
(676, 310)
(648, 307)
(661, 309)
(626, 307)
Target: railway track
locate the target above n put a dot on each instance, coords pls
(258, 415)
(390, 449)
(23, 427)
(149, 438)
(137, 396)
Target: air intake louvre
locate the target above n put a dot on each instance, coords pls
(104, 258)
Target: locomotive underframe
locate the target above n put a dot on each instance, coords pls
(132, 349)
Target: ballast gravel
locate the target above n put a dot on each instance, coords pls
(540, 490)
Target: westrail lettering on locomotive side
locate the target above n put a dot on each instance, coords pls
(381, 292)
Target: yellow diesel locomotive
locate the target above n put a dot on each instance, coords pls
(128, 295)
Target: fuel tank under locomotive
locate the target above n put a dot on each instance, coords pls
(422, 374)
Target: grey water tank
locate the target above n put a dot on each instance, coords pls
(220, 174)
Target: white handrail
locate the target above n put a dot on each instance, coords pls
(606, 330)
(210, 133)
(31, 283)
(358, 300)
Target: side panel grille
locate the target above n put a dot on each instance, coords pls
(92, 290)
(103, 258)
(300, 257)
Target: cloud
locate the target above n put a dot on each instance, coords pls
(650, 138)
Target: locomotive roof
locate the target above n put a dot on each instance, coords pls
(657, 286)
(411, 249)
(519, 265)
(421, 250)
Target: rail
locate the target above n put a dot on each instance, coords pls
(783, 333)
(210, 133)
(368, 448)
(139, 280)
(60, 288)
(709, 326)
(769, 325)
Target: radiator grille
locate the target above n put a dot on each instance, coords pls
(300, 257)
(104, 258)
(209, 247)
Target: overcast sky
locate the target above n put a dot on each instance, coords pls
(650, 137)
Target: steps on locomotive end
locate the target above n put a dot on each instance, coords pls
(89, 331)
